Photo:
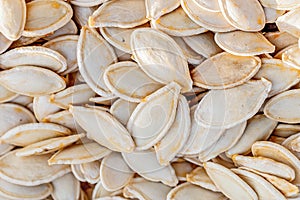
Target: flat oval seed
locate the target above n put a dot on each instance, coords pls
(33, 55)
(151, 50)
(153, 117)
(156, 9)
(187, 190)
(143, 189)
(122, 110)
(286, 188)
(67, 47)
(110, 14)
(42, 107)
(211, 5)
(262, 187)
(13, 115)
(258, 128)
(94, 55)
(146, 165)
(177, 23)
(176, 137)
(74, 95)
(213, 21)
(281, 75)
(229, 183)
(280, 4)
(286, 130)
(4, 43)
(114, 172)
(199, 177)
(113, 135)
(229, 138)
(12, 24)
(241, 103)
(291, 57)
(41, 81)
(26, 134)
(91, 171)
(244, 43)
(224, 71)
(82, 14)
(38, 22)
(79, 153)
(278, 153)
(289, 23)
(244, 15)
(75, 168)
(282, 107)
(128, 81)
(49, 145)
(34, 170)
(6, 95)
(68, 29)
(12, 191)
(65, 187)
(265, 165)
(204, 44)
(119, 37)
(281, 40)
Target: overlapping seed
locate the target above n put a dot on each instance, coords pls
(149, 99)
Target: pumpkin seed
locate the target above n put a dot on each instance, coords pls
(156, 9)
(65, 187)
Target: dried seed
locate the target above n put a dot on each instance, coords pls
(65, 187)
(42, 107)
(289, 23)
(158, 8)
(91, 171)
(4, 43)
(122, 110)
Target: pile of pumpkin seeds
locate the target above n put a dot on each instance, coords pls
(149, 99)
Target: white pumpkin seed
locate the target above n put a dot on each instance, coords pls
(75, 95)
(69, 29)
(244, 43)
(26, 134)
(151, 50)
(290, 57)
(210, 5)
(143, 189)
(12, 18)
(153, 117)
(258, 128)
(210, 20)
(146, 165)
(224, 71)
(204, 44)
(115, 173)
(280, 4)
(128, 81)
(109, 14)
(289, 23)
(244, 15)
(176, 137)
(281, 75)
(94, 55)
(177, 23)
(67, 47)
(113, 135)
(265, 165)
(282, 107)
(34, 55)
(229, 183)
(42, 107)
(49, 145)
(122, 110)
(241, 103)
(4, 43)
(81, 14)
(91, 171)
(285, 187)
(278, 153)
(187, 190)
(262, 187)
(65, 187)
(38, 22)
(41, 81)
(158, 8)
(29, 170)
(14, 191)
(199, 177)
(79, 153)
(75, 168)
(286, 130)
(6, 95)
(228, 139)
